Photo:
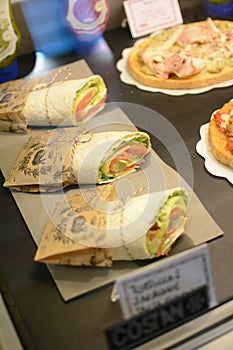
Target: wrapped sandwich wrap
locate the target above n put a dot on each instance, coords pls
(70, 102)
(55, 159)
(146, 227)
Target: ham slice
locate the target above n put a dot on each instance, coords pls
(203, 33)
(183, 55)
(177, 64)
(190, 67)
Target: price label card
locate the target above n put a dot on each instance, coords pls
(160, 282)
(147, 16)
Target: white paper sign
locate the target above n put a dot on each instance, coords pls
(147, 16)
(156, 284)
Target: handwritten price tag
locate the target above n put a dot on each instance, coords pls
(147, 16)
(165, 280)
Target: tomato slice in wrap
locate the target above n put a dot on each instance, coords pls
(89, 99)
(129, 159)
(126, 158)
(169, 225)
(108, 155)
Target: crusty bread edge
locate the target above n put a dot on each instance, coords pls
(218, 145)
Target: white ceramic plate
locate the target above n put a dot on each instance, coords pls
(213, 166)
(127, 78)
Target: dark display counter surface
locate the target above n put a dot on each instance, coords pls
(42, 319)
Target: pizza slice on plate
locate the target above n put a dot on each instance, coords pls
(186, 56)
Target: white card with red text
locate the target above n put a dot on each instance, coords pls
(148, 16)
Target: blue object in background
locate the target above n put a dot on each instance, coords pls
(51, 33)
(87, 21)
(218, 10)
(10, 72)
(47, 28)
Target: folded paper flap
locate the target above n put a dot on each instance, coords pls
(56, 248)
(73, 214)
(54, 243)
(27, 167)
(91, 257)
(13, 98)
(41, 163)
(14, 95)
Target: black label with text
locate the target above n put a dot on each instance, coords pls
(150, 324)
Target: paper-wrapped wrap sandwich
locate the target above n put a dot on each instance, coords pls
(69, 102)
(53, 160)
(77, 233)
(107, 156)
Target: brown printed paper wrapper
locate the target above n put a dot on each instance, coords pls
(12, 117)
(53, 160)
(56, 248)
(42, 100)
(35, 164)
(14, 95)
(82, 231)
